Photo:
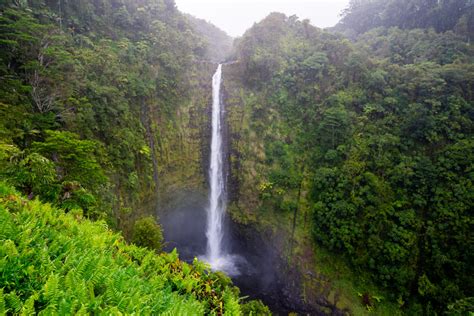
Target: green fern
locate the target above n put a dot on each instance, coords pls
(62, 266)
(13, 302)
(3, 307)
(231, 304)
(7, 228)
(29, 305)
(50, 289)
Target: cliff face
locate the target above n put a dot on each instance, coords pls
(310, 278)
(183, 140)
(246, 152)
(251, 120)
(177, 133)
(181, 143)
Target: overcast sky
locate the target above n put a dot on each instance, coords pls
(236, 16)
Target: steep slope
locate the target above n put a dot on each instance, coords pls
(57, 263)
(103, 113)
(365, 148)
(355, 157)
(103, 105)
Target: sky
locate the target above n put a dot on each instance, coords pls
(236, 16)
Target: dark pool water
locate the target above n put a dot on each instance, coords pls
(261, 273)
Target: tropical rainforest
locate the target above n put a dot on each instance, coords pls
(351, 148)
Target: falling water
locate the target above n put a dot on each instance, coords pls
(215, 255)
(216, 176)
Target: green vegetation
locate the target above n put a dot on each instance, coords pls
(356, 147)
(96, 103)
(254, 308)
(367, 146)
(441, 15)
(96, 100)
(57, 263)
(147, 233)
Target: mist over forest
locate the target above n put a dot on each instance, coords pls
(152, 164)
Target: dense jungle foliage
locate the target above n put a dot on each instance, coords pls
(63, 264)
(362, 134)
(373, 139)
(88, 100)
(441, 15)
(88, 97)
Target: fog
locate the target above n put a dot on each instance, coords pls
(236, 16)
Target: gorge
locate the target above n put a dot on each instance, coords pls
(322, 171)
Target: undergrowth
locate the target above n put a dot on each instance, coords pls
(57, 263)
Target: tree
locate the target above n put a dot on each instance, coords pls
(75, 159)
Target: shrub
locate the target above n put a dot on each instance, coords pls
(254, 308)
(148, 233)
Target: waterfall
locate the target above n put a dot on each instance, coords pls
(217, 201)
(215, 255)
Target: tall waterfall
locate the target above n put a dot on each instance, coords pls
(215, 255)
(217, 201)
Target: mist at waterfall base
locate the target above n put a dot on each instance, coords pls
(260, 274)
(198, 227)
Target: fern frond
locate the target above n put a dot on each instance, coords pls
(50, 289)
(13, 302)
(7, 227)
(3, 306)
(29, 305)
(231, 304)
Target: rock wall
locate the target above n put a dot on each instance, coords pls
(179, 142)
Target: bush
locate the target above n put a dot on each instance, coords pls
(148, 233)
(254, 308)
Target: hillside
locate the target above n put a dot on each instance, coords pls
(105, 102)
(98, 102)
(64, 264)
(364, 147)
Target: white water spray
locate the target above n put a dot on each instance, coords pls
(215, 255)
